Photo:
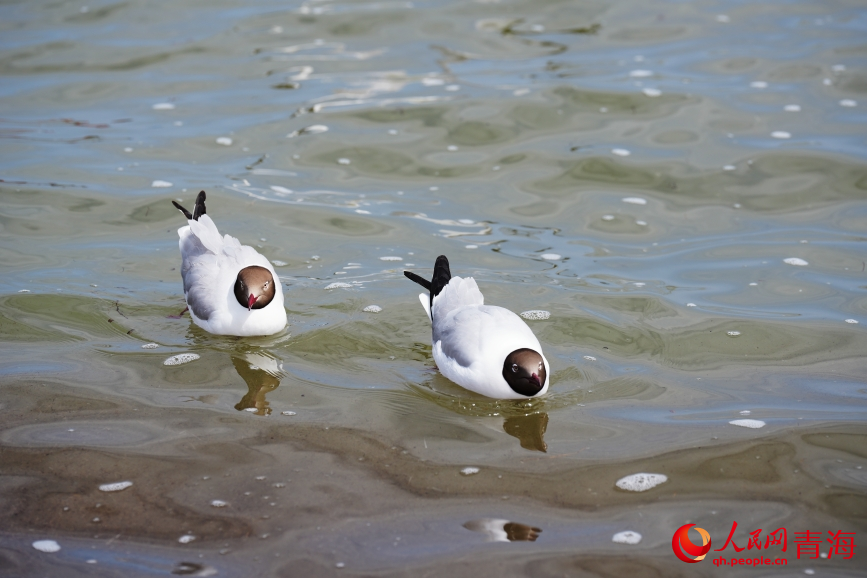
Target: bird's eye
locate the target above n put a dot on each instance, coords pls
(266, 284)
(514, 368)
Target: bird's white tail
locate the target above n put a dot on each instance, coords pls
(458, 293)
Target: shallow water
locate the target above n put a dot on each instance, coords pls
(682, 187)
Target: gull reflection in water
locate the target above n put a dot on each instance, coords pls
(262, 374)
(529, 429)
(498, 530)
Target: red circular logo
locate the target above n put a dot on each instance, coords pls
(681, 543)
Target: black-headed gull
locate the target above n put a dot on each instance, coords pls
(482, 348)
(230, 288)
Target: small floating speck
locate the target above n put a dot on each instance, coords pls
(759, 84)
(729, 168)
(733, 333)
(128, 149)
(452, 148)
(392, 131)
(627, 537)
(225, 141)
(219, 503)
(607, 217)
(453, 87)
(827, 81)
(372, 309)
(46, 546)
(115, 486)
(640, 73)
(641, 223)
(723, 18)
(640, 482)
(621, 152)
(651, 92)
(163, 106)
(634, 200)
(150, 345)
(589, 358)
(781, 134)
(340, 565)
(469, 471)
(792, 108)
(391, 258)
(536, 314)
(181, 358)
(433, 188)
(186, 538)
(24, 290)
(848, 102)
(289, 413)
(851, 321)
(745, 412)
(339, 286)
(795, 261)
(90, 561)
(750, 423)
(314, 257)
(343, 161)
(277, 263)
(471, 246)
(551, 256)
(753, 284)
(161, 184)
(838, 67)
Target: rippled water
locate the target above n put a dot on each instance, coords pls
(681, 187)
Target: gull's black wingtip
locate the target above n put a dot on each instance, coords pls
(186, 213)
(420, 280)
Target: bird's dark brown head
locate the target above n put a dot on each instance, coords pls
(254, 287)
(524, 370)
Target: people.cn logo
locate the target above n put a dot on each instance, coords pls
(681, 543)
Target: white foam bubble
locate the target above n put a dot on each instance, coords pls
(343, 161)
(536, 314)
(641, 223)
(750, 423)
(289, 413)
(471, 246)
(150, 345)
(607, 217)
(115, 486)
(452, 148)
(781, 134)
(848, 102)
(453, 87)
(161, 184)
(391, 258)
(163, 106)
(551, 256)
(640, 73)
(24, 290)
(745, 412)
(279, 189)
(723, 18)
(46, 546)
(627, 537)
(733, 333)
(219, 503)
(186, 538)
(651, 92)
(469, 471)
(792, 108)
(795, 261)
(759, 84)
(621, 152)
(277, 263)
(372, 309)
(729, 168)
(225, 141)
(339, 286)
(634, 200)
(641, 482)
(851, 321)
(589, 358)
(182, 358)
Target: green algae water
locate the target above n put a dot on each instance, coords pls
(674, 195)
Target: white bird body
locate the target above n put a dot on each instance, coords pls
(210, 267)
(471, 340)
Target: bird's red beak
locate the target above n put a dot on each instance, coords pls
(250, 300)
(535, 379)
